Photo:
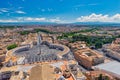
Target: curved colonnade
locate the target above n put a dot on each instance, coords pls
(63, 50)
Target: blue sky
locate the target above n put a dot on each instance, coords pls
(60, 11)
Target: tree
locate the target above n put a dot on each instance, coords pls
(12, 46)
(24, 32)
(107, 78)
(98, 45)
(100, 77)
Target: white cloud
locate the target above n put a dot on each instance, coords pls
(31, 19)
(34, 19)
(90, 18)
(24, 19)
(99, 18)
(92, 4)
(10, 20)
(55, 20)
(43, 10)
(47, 9)
(20, 7)
(79, 5)
(20, 12)
(116, 18)
(50, 9)
(3, 9)
(1, 13)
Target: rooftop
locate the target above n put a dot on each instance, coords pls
(88, 53)
(95, 74)
(111, 67)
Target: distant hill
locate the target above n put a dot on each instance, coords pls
(53, 23)
(97, 23)
(27, 23)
